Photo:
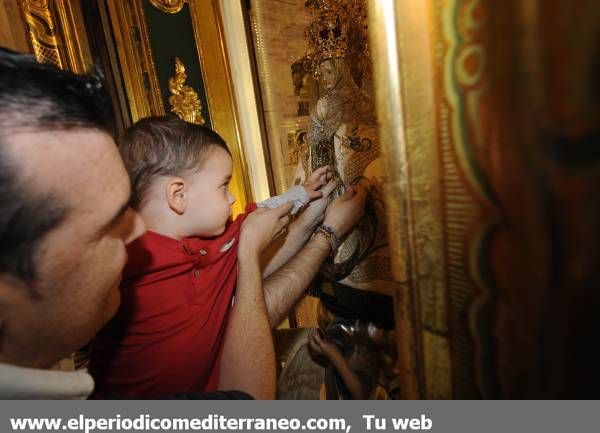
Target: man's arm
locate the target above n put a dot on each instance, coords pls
(281, 251)
(286, 286)
(284, 248)
(248, 358)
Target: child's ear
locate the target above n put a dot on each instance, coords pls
(175, 191)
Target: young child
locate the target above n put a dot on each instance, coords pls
(179, 283)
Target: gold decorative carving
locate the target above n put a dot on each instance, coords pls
(57, 33)
(168, 6)
(42, 32)
(184, 100)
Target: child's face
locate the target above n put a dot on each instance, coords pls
(209, 199)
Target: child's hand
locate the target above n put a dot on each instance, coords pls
(316, 180)
(321, 346)
(314, 213)
(262, 226)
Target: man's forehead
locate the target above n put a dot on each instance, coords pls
(32, 144)
(73, 161)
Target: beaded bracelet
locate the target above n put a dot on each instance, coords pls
(330, 235)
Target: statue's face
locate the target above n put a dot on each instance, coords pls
(328, 75)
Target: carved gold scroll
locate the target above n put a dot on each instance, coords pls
(57, 33)
(168, 6)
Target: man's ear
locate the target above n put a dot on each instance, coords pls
(176, 196)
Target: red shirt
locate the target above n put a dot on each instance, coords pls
(168, 333)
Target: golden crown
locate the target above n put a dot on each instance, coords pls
(338, 28)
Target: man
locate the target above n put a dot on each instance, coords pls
(64, 218)
(64, 224)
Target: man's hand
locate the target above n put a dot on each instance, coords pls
(344, 212)
(262, 226)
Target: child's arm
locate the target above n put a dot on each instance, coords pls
(248, 358)
(300, 230)
(323, 347)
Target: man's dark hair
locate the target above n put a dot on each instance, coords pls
(34, 96)
(164, 146)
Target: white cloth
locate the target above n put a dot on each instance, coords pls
(30, 383)
(296, 195)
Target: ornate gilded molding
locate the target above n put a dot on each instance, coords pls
(57, 33)
(135, 56)
(168, 6)
(184, 100)
(433, 137)
(42, 32)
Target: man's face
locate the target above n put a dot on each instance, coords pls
(79, 262)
